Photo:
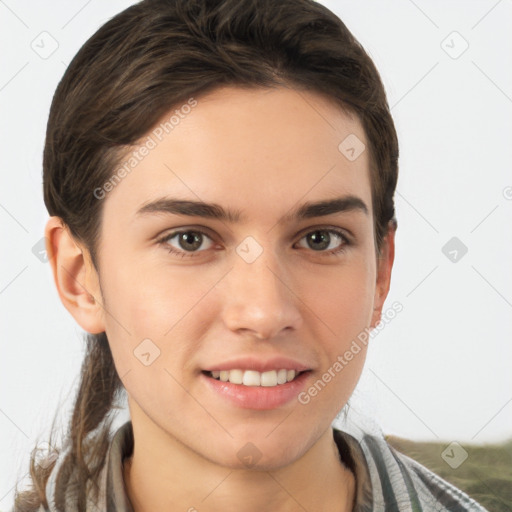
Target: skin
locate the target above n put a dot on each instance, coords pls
(263, 152)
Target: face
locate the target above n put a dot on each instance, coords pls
(222, 318)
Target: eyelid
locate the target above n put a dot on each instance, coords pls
(345, 233)
(168, 233)
(210, 233)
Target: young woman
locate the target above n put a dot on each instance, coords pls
(220, 180)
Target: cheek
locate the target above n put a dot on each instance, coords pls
(341, 310)
(150, 298)
(144, 302)
(341, 300)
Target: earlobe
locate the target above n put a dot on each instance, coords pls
(75, 277)
(384, 267)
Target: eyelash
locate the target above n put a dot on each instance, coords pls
(191, 254)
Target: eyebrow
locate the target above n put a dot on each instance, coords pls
(349, 203)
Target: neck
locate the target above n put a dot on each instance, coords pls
(170, 476)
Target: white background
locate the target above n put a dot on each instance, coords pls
(441, 370)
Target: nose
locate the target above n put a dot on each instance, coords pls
(259, 299)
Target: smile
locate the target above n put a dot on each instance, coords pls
(251, 389)
(254, 378)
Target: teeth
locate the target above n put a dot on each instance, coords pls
(269, 378)
(250, 378)
(236, 376)
(253, 378)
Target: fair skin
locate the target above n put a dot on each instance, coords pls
(263, 153)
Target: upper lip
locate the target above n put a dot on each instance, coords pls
(258, 364)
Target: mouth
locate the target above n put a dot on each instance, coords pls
(253, 378)
(256, 382)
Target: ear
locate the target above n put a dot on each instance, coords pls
(75, 277)
(384, 265)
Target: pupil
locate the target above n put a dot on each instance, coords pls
(193, 240)
(320, 240)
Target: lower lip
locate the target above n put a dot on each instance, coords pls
(258, 397)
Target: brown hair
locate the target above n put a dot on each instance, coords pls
(154, 56)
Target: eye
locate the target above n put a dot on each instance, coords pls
(187, 242)
(190, 242)
(330, 241)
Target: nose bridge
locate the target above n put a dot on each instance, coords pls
(257, 297)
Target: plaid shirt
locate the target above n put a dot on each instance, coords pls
(386, 480)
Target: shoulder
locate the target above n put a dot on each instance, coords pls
(400, 483)
(65, 486)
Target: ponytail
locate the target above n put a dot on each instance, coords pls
(98, 393)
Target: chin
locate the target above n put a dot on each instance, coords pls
(260, 452)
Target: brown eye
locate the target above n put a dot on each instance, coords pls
(318, 240)
(186, 243)
(324, 240)
(190, 241)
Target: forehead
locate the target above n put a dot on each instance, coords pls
(245, 148)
